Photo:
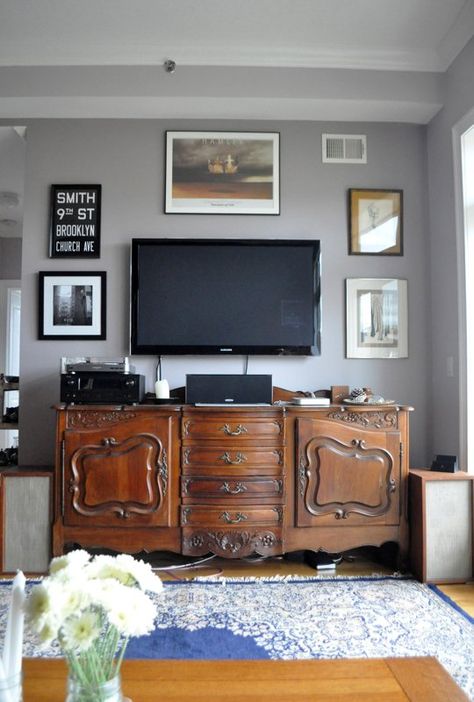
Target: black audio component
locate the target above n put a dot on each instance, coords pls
(229, 389)
(445, 464)
(102, 388)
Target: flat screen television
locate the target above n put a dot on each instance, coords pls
(228, 296)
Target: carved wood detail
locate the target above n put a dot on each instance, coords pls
(279, 453)
(154, 478)
(98, 419)
(187, 424)
(356, 455)
(235, 543)
(280, 426)
(377, 420)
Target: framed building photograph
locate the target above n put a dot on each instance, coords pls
(376, 318)
(376, 222)
(72, 305)
(222, 173)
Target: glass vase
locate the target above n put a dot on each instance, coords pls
(109, 691)
(11, 688)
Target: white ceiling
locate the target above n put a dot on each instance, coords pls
(351, 60)
(382, 34)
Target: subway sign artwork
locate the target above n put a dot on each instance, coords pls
(75, 221)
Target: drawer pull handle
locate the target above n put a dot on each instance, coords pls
(239, 517)
(239, 458)
(239, 487)
(240, 429)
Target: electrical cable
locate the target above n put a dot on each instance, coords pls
(191, 564)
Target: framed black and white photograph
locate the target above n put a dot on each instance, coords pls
(222, 173)
(72, 305)
(376, 318)
(376, 222)
(75, 221)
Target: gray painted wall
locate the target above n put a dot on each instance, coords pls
(10, 258)
(127, 158)
(444, 401)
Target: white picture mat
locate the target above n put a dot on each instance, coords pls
(222, 205)
(393, 291)
(49, 284)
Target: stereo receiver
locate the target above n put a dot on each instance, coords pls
(102, 388)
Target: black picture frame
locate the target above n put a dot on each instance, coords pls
(72, 305)
(75, 221)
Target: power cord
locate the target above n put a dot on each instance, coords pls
(191, 564)
(158, 369)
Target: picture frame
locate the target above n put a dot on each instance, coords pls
(222, 172)
(72, 305)
(375, 222)
(376, 318)
(75, 221)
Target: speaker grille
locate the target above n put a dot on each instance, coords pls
(448, 530)
(27, 527)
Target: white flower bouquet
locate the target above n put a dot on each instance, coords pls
(91, 606)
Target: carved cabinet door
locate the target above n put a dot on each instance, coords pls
(347, 475)
(115, 473)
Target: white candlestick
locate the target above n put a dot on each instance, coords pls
(5, 695)
(162, 389)
(13, 647)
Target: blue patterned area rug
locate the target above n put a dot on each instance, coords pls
(319, 617)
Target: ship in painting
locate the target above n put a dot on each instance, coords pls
(227, 166)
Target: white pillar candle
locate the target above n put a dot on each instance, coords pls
(162, 389)
(5, 695)
(13, 646)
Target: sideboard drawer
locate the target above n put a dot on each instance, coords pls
(242, 516)
(231, 487)
(235, 429)
(231, 457)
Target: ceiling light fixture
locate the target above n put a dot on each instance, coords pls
(6, 223)
(9, 199)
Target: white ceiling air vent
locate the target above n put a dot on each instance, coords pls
(344, 148)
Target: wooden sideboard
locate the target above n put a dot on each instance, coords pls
(231, 480)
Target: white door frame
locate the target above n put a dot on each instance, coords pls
(459, 129)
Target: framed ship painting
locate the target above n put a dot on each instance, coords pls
(222, 173)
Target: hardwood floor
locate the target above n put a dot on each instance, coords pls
(462, 594)
(358, 562)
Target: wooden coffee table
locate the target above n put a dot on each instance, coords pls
(384, 680)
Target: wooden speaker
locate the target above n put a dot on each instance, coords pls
(441, 526)
(25, 503)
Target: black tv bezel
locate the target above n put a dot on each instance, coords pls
(246, 350)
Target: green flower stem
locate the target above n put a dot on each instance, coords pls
(113, 642)
(76, 668)
(119, 659)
